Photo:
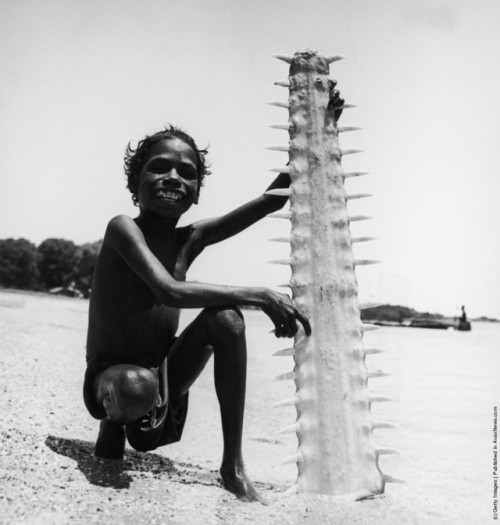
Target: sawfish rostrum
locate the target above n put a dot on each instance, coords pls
(336, 451)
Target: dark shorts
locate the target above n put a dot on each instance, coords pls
(162, 425)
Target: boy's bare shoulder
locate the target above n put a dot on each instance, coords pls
(120, 223)
(120, 229)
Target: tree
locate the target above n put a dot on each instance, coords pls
(58, 262)
(18, 264)
(86, 263)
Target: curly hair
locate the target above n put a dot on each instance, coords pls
(135, 157)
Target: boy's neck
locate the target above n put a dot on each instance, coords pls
(155, 224)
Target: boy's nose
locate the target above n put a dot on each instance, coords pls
(171, 175)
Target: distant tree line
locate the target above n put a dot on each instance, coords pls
(396, 313)
(55, 263)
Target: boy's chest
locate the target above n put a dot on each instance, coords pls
(174, 254)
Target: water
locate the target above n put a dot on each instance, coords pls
(444, 384)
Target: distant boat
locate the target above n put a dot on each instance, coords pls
(463, 326)
(424, 322)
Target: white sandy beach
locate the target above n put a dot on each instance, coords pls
(49, 475)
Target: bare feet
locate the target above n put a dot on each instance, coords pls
(110, 443)
(235, 480)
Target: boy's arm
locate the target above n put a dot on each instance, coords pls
(214, 230)
(127, 240)
(211, 231)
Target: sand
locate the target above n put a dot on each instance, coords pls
(48, 473)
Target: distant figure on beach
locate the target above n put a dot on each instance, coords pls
(138, 370)
(463, 317)
(463, 325)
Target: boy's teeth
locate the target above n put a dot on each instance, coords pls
(168, 194)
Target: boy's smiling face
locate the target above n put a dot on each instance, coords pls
(168, 182)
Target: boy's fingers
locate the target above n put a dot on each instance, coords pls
(332, 83)
(286, 328)
(304, 321)
(293, 326)
(339, 108)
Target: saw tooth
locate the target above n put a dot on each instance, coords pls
(344, 129)
(370, 351)
(282, 83)
(284, 58)
(284, 127)
(379, 399)
(353, 218)
(294, 458)
(279, 192)
(383, 424)
(286, 285)
(279, 104)
(391, 479)
(364, 262)
(385, 451)
(291, 429)
(357, 196)
(285, 215)
(291, 401)
(286, 377)
(367, 327)
(351, 151)
(351, 174)
(376, 373)
(285, 262)
(285, 351)
(333, 58)
(280, 239)
(348, 106)
(278, 148)
(284, 169)
(363, 239)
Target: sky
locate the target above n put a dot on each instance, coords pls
(79, 80)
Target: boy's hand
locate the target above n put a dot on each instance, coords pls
(335, 104)
(284, 314)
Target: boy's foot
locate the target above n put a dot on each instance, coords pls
(235, 480)
(111, 440)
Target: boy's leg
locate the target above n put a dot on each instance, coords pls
(220, 331)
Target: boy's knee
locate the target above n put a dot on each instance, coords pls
(135, 391)
(228, 319)
(137, 382)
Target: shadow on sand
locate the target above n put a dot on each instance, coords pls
(119, 474)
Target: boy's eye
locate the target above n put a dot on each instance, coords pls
(187, 172)
(158, 167)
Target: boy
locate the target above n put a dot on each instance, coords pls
(138, 373)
